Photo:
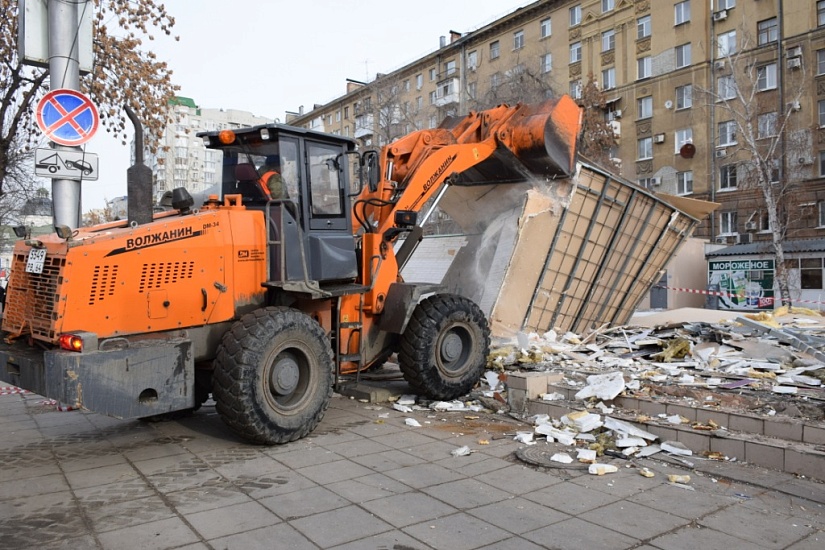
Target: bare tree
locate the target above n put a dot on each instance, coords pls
(598, 138)
(123, 74)
(519, 84)
(756, 120)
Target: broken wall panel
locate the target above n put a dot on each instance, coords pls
(584, 252)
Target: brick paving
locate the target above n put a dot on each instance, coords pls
(80, 480)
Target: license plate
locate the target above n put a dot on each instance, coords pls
(37, 258)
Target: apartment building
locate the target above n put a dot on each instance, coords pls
(185, 162)
(696, 92)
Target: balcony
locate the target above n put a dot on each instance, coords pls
(364, 126)
(447, 93)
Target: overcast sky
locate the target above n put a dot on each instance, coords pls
(272, 56)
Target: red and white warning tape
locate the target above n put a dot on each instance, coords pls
(54, 403)
(726, 294)
(12, 390)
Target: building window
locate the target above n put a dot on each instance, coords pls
(684, 96)
(682, 12)
(576, 15)
(643, 27)
(449, 67)
(644, 66)
(608, 5)
(495, 80)
(576, 89)
(518, 40)
(810, 273)
(684, 182)
(432, 75)
(725, 4)
(419, 81)
(546, 63)
(683, 55)
(683, 137)
(767, 31)
(820, 206)
(820, 62)
(608, 40)
(766, 124)
(726, 44)
(820, 14)
(609, 78)
(727, 133)
(822, 163)
(494, 50)
(433, 97)
(647, 183)
(766, 77)
(472, 60)
(727, 177)
(471, 90)
(545, 27)
(644, 107)
(644, 148)
(575, 52)
(419, 103)
(725, 87)
(727, 223)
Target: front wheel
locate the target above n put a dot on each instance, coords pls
(445, 346)
(273, 375)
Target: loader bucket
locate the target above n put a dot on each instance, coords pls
(532, 141)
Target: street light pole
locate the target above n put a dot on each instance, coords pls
(64, 72)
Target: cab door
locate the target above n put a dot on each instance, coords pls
(331, 244)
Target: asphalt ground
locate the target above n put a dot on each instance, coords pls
(365, 479)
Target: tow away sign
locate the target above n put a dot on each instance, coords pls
(50, 163)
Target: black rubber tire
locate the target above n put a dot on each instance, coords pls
(445, 346)
(265, 348)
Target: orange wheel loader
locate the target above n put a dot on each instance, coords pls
(262, 298)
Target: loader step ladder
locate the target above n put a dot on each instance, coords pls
(340, 348)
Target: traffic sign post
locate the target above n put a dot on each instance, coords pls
(67, 117)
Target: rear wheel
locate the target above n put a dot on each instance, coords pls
(444, 348)
(273, 375)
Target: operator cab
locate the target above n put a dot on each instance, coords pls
(302, 182)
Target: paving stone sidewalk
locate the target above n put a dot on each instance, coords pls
(80, 480)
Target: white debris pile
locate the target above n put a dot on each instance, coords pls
(778, 358)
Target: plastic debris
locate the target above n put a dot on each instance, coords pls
(588, 456)
(563, 437)
(407, 399)
(525, 437)
(401, 408)
(676, 448)
(563, 458)
(625, 442)
(555, 396)
(491, 377)
(648, 451)
(461, 451)
(646, 472)
(412, 422)
(602, 469)
(604, 386)
(678, 478)
(627, 428)
(583, 421)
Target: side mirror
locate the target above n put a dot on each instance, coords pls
(369, 165)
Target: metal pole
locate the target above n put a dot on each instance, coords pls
(64, 72)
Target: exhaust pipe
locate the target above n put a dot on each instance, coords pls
(138, 179)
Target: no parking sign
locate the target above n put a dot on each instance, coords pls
(67, 117)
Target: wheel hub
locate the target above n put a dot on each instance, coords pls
(451, 347)
(284, 376)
